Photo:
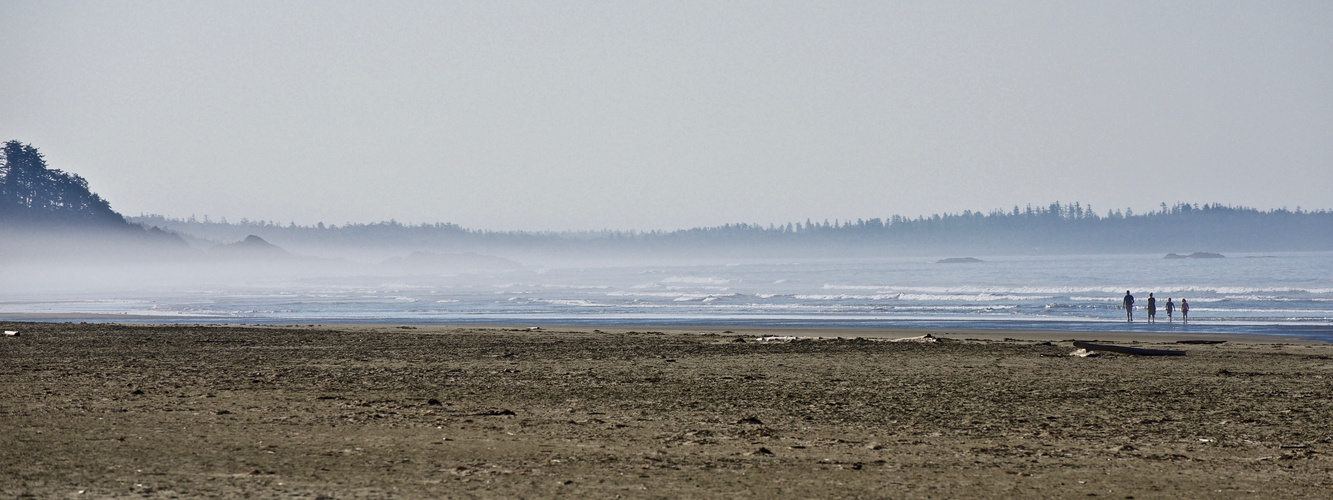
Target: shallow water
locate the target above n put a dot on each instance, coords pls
(1287, 293)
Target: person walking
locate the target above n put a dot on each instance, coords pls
(1184, 311)
(1129, 307)
(1152, 308)
(1170, 308)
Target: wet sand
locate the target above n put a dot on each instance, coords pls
(341, 411)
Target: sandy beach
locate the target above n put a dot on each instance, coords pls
(341, 411)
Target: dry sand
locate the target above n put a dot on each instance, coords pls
(99, 410)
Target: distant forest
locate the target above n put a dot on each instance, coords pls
(35, 197)
(1051, 229)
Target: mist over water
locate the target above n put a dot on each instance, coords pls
(1280, 293)
(642, 164)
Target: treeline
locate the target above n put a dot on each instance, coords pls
(1055, 228)
(33, 195)
(49, 215)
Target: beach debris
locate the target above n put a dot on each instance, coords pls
(775, 338)
(1201, 342)
(763, 452)
(11, 333)
(925, 339)
(1127, 350)
(750, 421)
(495, 413)
(1084, 353)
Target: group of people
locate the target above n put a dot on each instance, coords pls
(1152, 308)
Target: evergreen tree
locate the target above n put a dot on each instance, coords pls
(33, 194)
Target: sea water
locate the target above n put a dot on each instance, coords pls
(1282, 294)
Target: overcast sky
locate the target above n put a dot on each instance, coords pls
(665, 115)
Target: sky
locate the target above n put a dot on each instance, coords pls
(580, 115)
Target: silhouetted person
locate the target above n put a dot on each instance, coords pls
(1170, 308)
(1152, 308)
(1129, 307)
(1184, 311)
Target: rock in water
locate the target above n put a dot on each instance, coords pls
(1195, 255)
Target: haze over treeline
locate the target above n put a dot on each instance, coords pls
(1055, 228)
(50, 213)
(36, 198)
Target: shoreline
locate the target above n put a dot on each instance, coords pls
(844, 332)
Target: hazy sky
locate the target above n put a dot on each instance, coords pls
(664, 115)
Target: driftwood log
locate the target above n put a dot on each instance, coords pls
(1127, 350)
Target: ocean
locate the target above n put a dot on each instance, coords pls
(1274, 293)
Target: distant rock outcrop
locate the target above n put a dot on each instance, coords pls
(958, 260)
(252, 246)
